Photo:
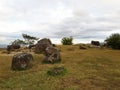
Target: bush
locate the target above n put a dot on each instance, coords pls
(67, 40)
(113, 41)
(57, 70)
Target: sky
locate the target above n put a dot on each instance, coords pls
(84, 20)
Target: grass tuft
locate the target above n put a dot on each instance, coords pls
(57, 70)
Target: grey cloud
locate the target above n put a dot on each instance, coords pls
(14, 35)
(86, 27)
(58, 18)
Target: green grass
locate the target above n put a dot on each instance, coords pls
(57, 71)
(91, 69)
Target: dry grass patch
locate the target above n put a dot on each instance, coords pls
(91, 69)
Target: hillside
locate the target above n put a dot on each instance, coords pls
(91, 69)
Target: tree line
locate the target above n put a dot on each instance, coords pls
(113, 41)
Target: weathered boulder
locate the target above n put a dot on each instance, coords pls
(22, 61)
(52, 55)
(42, 45)
(45, 41)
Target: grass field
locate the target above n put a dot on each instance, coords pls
(91, 69)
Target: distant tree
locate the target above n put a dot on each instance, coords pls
(29, 39)
(97, 43)
(67, 40)
(18, 42)
(113, 41)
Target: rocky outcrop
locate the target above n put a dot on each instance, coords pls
(22, 61)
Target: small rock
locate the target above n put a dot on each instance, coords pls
(82, 47)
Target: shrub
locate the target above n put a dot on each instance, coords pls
(57, 70)
(67, 40)
(113, 41)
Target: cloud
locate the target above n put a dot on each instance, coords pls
(83, 19)
(2, 38)
(84, 26)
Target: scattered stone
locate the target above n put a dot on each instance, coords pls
(52, 55)
(22, 61)
(82, 47)
(94, 46)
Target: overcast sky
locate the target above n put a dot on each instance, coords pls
(85, 20)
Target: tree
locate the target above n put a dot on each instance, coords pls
(18, 42)
(29, 39)
(113, 41)
(67, 40)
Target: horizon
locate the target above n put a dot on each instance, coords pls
(58, 41)
(84, 20)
